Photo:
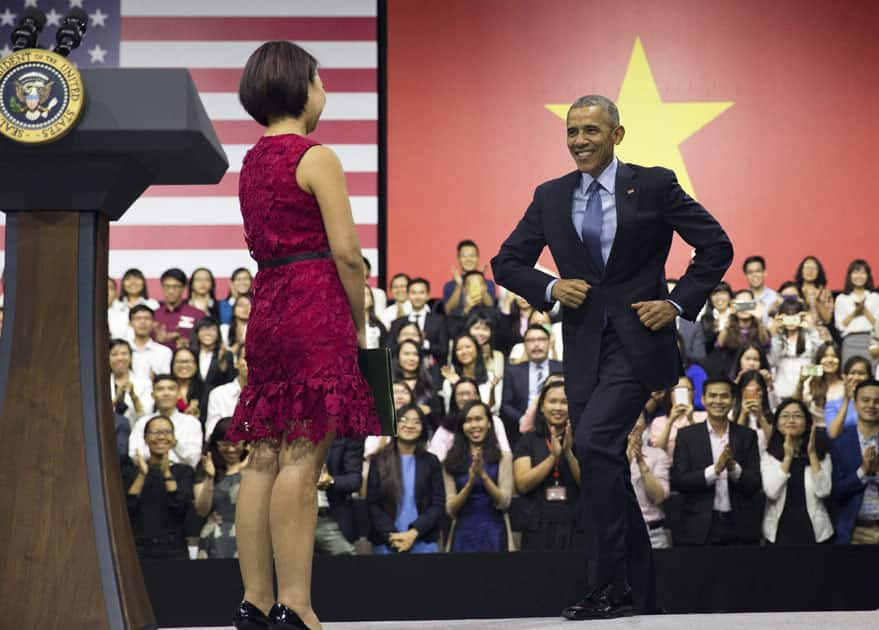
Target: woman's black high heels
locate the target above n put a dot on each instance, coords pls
(249, 617)
(282, 617)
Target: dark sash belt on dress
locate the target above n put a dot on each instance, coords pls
(286, 260)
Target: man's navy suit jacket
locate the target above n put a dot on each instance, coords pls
(651, 206)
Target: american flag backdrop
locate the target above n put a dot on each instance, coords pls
(200, 226)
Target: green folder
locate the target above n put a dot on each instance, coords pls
(376, 367)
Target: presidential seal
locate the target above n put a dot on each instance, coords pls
(41, 96)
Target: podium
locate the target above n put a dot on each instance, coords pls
(67, 557)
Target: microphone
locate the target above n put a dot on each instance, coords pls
(30, 25)
(71, 32)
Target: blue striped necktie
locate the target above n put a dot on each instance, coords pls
(591, 231)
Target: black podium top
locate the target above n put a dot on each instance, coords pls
(139, 127)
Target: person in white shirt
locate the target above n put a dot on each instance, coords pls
(223, 399)
(857, 310)
(134, 292)
(148, 356)
(797, 477)
(376, 333)
(187, 428)
(401, 306)
(132, 395)
(792, 347)
(117, 313)
(234, 332)
(379, 298)
(755, 272)
(648, 468)
(467, 360)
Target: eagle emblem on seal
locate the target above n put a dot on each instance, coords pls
(32, 91)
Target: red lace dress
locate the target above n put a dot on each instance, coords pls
(302, 374)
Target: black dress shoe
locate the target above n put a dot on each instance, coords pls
(602, 603)
(282, 617)
(249, 617)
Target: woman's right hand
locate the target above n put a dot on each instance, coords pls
(142, 467)
(207, 463)
(555, 445)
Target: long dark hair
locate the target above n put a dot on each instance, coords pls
(793, 308)
(453, 418)
(818, 386)
(422, 375)
(734, 327)
(232, 279)
(820, 279)
(541, 426)
(459, 458)
(479, 370)
(775, 447)
(233, 325)
(750, 345)
(196, 385)
(213, 449)
(856, 264)
(387, 463)
(211, 291)
(747, 377)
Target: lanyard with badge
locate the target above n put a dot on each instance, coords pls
(555, 492)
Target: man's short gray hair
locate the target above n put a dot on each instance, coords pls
(596, 100)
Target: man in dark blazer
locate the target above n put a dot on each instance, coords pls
(522, 381)
(432, 325)
(609, 227)
(342, 477)
(856, 471)
(716, 468)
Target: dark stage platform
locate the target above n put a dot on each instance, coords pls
(519, 585)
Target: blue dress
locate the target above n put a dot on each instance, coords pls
(479, 525)
(407, 511)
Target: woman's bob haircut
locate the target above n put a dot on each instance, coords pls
(275, 81)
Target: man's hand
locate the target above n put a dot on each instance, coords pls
(655, 314)
(571, 293)
(870, 461)
(724, 460)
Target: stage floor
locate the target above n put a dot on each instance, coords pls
(857, 620)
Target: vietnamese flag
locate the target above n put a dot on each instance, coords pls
(766, 111)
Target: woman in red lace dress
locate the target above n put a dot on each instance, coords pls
(304, 386)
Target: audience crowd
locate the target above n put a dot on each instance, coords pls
(770, 436)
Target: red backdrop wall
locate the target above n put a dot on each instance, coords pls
(789, 169)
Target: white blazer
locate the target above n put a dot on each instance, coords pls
(817, 488)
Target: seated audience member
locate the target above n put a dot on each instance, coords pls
(754, 268)
(478, 479)
(234, 333)
(433, 326)
(188, 438)
(714, 319)
(148, 357)
(374, 443)
(476, 301)
(522, 381)
(408, 331)
(513, 322)
(134, 291)
(216, 364)
(159, 494)
(340, 478)
(217, 479)
(240, 283)
(752, 408)
(825, 386)
(812, 282)
(796, 474)
(482, 330)
(190, 386)
(556, 349)
(679, 413)
(856, 471)
(409, 365)
(857, 310)
(401, 305)
(202, 292)
(752, 357)
(693, 371)
(117, 313)
(379, 298)
(692, 334)
(716, 469)
(376, 332)
(526, 422)
(793, 347)
(874, 345)
(742, 327)
(464, 391)
(175, 318)
(223, 399)
(454, 291)
(131, 394)
(648, 467)
(547, 477)
(855, 371)
(405, 491)
(467, 360)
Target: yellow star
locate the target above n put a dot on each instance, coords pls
(654, 130)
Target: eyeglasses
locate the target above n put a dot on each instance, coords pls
(410, 421)
(158, 432)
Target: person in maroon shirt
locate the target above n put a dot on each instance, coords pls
(174, 318)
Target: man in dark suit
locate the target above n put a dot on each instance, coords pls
(716, 469)
(522, 381)
(343, 475)
(692, 334)
(432, 325)
(609, 226)
(856, 471)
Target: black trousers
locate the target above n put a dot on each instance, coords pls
(618, 544)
